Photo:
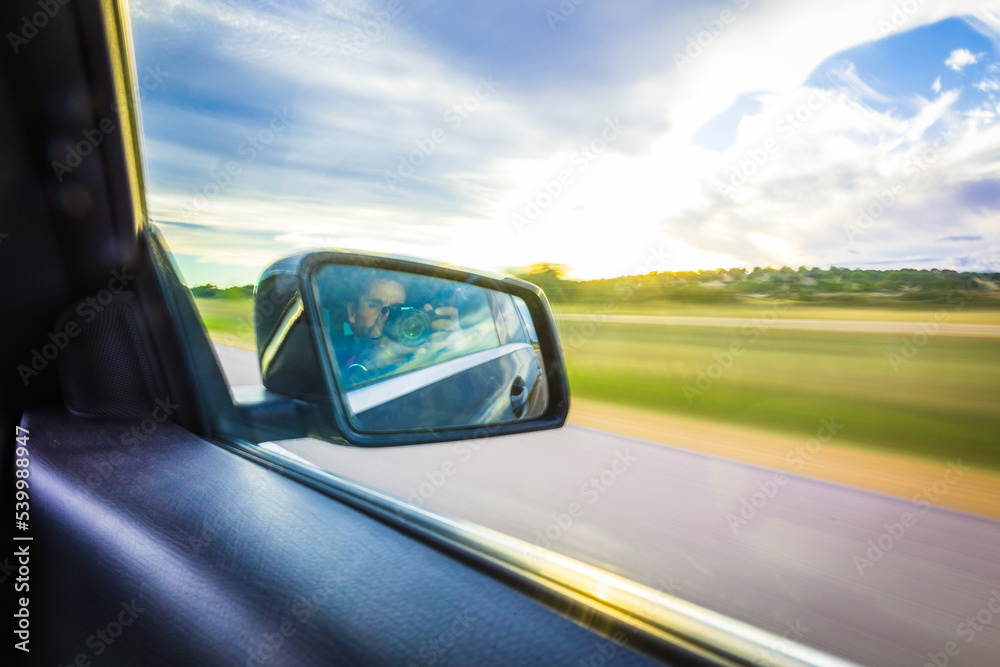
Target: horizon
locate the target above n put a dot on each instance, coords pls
(525, 270)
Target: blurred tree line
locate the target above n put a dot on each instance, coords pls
(212, 292)
(835, 285)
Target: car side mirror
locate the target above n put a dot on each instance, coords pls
(390, 351)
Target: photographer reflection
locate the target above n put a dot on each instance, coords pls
(383, 334)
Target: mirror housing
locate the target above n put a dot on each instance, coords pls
(496, 388)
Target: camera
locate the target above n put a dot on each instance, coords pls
(408, 325)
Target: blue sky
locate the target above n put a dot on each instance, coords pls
(614, 138)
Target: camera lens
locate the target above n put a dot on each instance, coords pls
(408, 325)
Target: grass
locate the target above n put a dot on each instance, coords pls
(229, 321)
(972, 313)
(943, 403)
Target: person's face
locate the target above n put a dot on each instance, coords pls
(366, 315)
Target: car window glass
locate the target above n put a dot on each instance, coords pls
(511, 321)
(769, 256)
(526, 321)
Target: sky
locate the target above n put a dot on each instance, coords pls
(611, 137)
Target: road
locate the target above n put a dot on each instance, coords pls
(874, 578)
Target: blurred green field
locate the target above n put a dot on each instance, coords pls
(229, 321)
(972, 313)
(943, 403)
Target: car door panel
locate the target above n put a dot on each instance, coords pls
(224, 558)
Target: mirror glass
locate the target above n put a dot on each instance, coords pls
(413, 351)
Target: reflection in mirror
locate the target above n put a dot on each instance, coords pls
(414, 351)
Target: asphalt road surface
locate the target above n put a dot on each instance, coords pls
(873, 578)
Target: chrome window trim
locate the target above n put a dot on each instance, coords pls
(599, 600)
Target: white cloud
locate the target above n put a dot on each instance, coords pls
(989, 85)
(848, 73)
(936, 87)
(960, 58)
(982, 114)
